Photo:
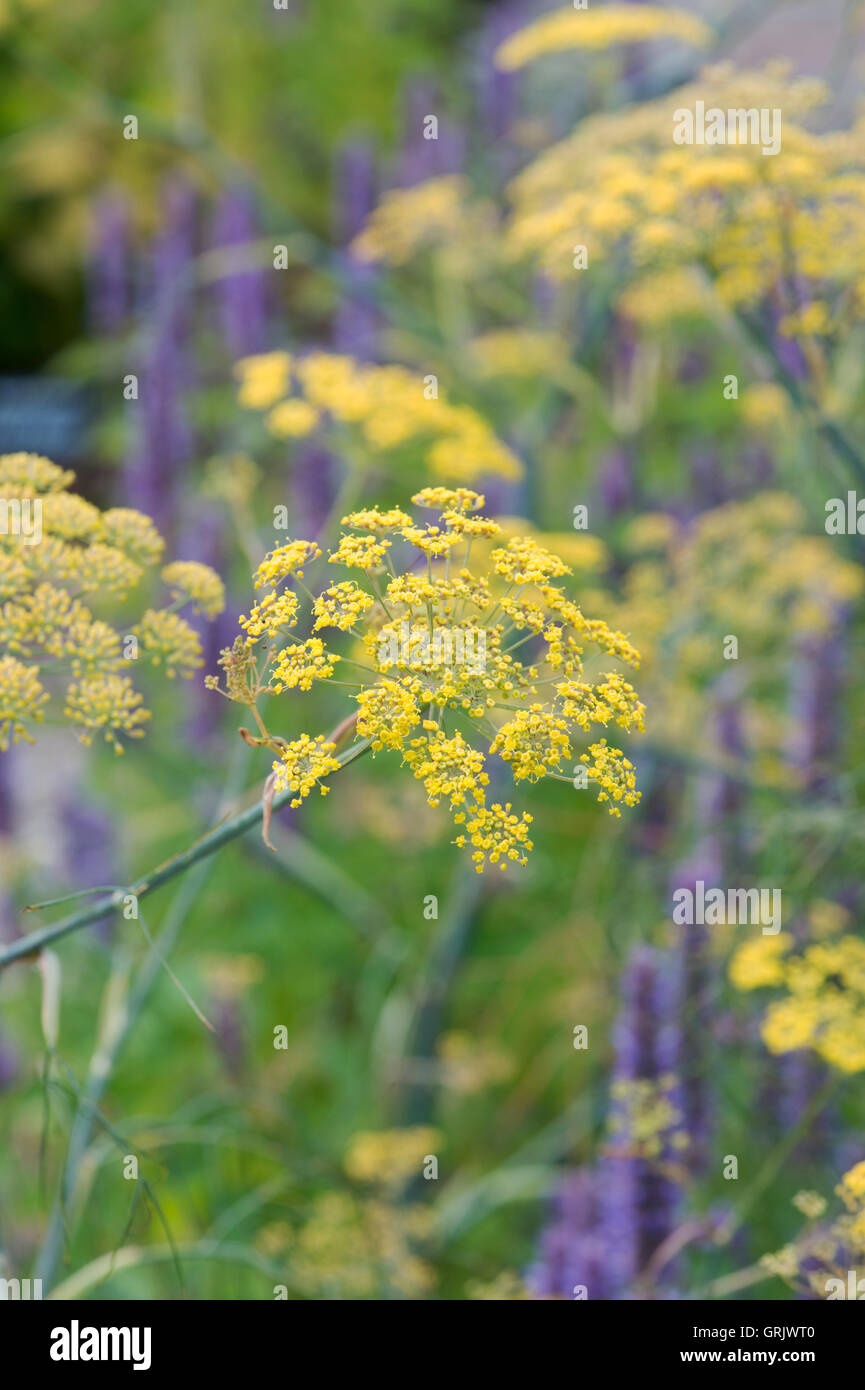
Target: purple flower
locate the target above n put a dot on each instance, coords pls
(424, 157)
(241, 294)
(10, 1065)
(694, 984)
(163, 446)
(710, 483)
(6, 794)
(8, 924)
(356, 322)
(616, 482)
(639, 1200)
(90, 851)
(793, 1080)
(716, 817)
(787, 350)
(816, 677)
(229, 1037)
(545, 298)
(571, 1250)
(314, 473)
(90, 844)
(498, 91)
(608, 1223)
(202, 539)
(109, 281)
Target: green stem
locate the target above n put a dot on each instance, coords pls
(220, 835)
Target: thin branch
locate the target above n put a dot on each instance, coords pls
(228, 830)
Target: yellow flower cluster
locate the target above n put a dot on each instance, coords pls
(597, 29)
(435, 213)
(285, 560)
(512, 352)
(388, 406)
(682, 598)
(21, 699)
(271, 615)
(364, 1245)
(263, 379)
(614, 774)
(387, 714)
(666, 295)
(391, 1157)
(166, 640)
(190, 581)
(646, 1121)
(824, 1008)
(506, 1287)
(355, 1248)
(534, 742)
(301, 663)
(827, 1258)
(341, 606)
(50, 640)
(702, 226)
(302, 765)
(760, 963)
(438, 659)
(106, 703)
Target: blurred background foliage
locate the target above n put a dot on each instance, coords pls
(406, 1035)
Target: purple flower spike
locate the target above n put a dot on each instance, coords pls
(616, 482)
(242, 294)
(10, 1065)
(229, 1037)
(422, 157)
(639, 1201)
(8, 924)
(91, 846)
(312, 483)
(163, 445)
(109, 278)
(815, 687)
(572, 1254)
(609, 1223)
(203, 540)
(498, 91)
(90, 852)
(356, 322)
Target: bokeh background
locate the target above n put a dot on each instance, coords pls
(282, 193)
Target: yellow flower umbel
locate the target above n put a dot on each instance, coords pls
(568, 29)
(438, 215)
(696, 223)
(682, 595)
(51, 641)
(387, 408)
(828, 1257)
(824, 1008)
(446, 664)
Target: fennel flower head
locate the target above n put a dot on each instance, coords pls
(824, 1005)
(451, 646)
(825, 1259)
(65, 568)
(386, 411)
